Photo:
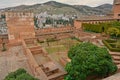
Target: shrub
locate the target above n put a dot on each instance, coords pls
(89, 60)
(114, 32)
(19, 74)
(101, 27)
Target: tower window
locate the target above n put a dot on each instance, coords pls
(118, 14)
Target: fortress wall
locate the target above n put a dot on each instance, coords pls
(53, 30)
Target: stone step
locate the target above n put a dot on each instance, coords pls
(118, 67)
(116, 58)
(114, 54)
(116, 62)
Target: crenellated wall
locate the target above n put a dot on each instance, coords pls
(58, 33)
(53, 30)
(78, 23)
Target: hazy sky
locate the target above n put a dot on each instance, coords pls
(10, 3)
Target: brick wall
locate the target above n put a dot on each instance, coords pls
(77, 24)
(36, 70)
(53, 30)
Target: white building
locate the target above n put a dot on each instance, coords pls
(3, 26)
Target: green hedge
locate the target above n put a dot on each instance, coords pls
(98, 28)
(110, 41)
(19, 74)
(110, 46)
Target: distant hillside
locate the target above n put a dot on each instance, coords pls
(53, 7)
(99, 10)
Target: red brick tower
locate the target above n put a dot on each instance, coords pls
(116, 9)
(20, 25)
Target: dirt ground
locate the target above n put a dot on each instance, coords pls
(12, 60)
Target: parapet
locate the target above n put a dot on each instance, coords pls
(19, 14)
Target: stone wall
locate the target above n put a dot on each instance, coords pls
(37, 66)
(58, 33)
(36, 70)
(77, 24)
(53, 30)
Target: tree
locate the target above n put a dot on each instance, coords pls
(89, 60)
(3, 16)
(19, 74)
(36, 22)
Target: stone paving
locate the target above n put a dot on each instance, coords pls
(113, 77)
(12, 60)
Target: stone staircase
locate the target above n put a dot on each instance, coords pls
(116, 59)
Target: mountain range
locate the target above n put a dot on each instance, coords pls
(53, 7)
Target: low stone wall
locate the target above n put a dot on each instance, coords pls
(64, 61)
(55, 36)
(36, 70)
(14, 43)
(36, 50)
(30, 40)
(53, 30)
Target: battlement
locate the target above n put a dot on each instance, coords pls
(116, 2)
(19, 14)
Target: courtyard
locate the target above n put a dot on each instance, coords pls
(12, 60)
(59, 49)
(62, 45)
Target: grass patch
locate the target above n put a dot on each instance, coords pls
(60, 45)
(55, 49)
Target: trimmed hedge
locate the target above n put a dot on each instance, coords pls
(110, 41)
(101, 27)
(110, 46)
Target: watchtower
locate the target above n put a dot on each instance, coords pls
(20, 25)
(116, 9)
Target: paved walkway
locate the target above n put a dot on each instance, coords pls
(12, 60)
(113, 77)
